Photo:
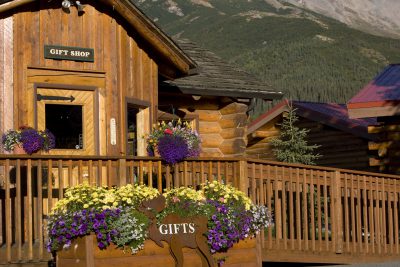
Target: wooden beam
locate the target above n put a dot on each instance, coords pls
(13, 4)
(383, 128)
(265, 134)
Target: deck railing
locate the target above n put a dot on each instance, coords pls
(321, 214)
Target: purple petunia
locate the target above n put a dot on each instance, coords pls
(172, 148)
(31, 140)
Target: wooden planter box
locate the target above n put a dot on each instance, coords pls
(85, 253)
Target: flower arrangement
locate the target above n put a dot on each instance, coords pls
(31, 140)
(113, 215)
(174, 141)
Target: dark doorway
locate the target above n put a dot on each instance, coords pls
(65, 122)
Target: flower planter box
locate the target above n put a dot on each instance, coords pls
(85, 253)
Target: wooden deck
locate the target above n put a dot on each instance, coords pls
(322, 215)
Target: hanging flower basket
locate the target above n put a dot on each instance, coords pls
(173, 142)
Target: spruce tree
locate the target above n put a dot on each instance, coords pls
(291, 145)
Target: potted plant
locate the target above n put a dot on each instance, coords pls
(27, 140)
(115, 218)
(173, 141)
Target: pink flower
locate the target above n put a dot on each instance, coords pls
(168, 131)
(175, 199)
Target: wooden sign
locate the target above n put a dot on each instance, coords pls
(69, 53)
(178, 232)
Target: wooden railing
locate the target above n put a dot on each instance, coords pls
(325, 214)
(321, 214)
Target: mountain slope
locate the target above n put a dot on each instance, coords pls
(306, 55)
(378, 17)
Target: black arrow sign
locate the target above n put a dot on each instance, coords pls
(52, 97)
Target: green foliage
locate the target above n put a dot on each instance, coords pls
(306, 55)
(291, 146)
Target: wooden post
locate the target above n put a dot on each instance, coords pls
(243, 177)
(337, 211)
(122, 172)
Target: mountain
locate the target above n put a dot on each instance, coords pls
(378, 17)
(305, 54)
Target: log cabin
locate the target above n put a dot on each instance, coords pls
(94, 73)
(380, 98)
(343, 141)
(216, 100)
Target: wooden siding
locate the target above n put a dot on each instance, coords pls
(129, 70)
(337, 148)
(6, 77)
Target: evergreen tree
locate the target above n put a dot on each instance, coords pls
(291, 146)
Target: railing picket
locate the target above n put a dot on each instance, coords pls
(141, 172)
(358, 212)
(219, 171)
(210, 177)
(18, 210)
(346, 212)
(396, 216)
(365, 213)
(253, 182)
(90, 172)
(110, 173)
(269, 204)
(80, 171)
(168, 178)
(312, 209)
(326, 214)
(390, 216)
(277, 208)
(384, 216)
(298, 216)
(291, 210)
(8, 211)
(40, 208)
(202, 176)
(305, 211)
(352, 208)
(99, 178)
(319, 208)
(60, 180)
(30, 209)
(377, 217)
(371, 214)
(185, 174)
(262, 199)
(150, 176)
(284, 210)
(159, 176)
(70, 177)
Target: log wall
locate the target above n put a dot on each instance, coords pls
(338, 149)
(223, 131)
(130, 72)
(385, 151)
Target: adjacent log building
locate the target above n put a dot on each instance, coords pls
(343, 141)
(380, 98)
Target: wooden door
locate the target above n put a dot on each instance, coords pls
(71, 114)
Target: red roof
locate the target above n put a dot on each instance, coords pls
(383, 90)
(331, 114)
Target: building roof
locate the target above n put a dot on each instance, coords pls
(380, 97)
(145, 27)
(215, 77)
(330, 114)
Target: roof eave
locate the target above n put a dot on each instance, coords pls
(266, 95)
